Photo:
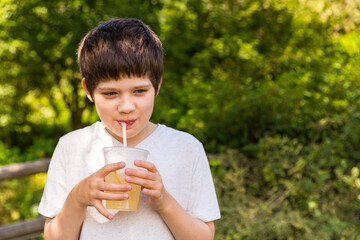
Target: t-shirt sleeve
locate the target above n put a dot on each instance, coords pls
(55, 191)
(203, 202)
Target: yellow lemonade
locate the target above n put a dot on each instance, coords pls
(124, 205)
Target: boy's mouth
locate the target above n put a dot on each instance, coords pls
(129, 123)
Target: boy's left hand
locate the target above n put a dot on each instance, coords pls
(151, 183)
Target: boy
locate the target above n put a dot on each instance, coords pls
(121, 62)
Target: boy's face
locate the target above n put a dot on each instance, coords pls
(129, 100)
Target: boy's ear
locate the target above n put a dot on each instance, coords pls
(158, 90)
(86, 90)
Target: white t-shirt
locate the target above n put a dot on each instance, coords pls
(179, 157)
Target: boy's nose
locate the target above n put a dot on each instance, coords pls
(126, 105)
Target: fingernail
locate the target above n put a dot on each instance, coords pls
(129, 187)
(127, 178)
(137, 162)
(126, 196)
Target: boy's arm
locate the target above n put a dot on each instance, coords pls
(181, 224)
(67, 224)
(88, 192)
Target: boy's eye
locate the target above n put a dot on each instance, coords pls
(109, 93)
(140, 90)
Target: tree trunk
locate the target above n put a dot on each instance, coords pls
(76, 109)
(76, 118)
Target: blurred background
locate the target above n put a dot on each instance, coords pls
(271, 88)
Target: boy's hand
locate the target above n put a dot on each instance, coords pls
(151, 182)
(91, 190)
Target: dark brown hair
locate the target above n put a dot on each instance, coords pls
(120, 47)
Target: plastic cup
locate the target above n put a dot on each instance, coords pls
(127, 155)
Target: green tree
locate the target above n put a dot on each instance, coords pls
(239, 70)
(38, 52)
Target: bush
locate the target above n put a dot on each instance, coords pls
(281, 189)
(20, 197)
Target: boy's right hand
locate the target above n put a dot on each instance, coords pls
(91, 190)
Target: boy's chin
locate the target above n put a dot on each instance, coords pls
(115, 134)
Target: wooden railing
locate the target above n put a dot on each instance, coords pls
(23, 230)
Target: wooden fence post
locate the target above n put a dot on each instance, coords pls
(23, 169)
(22, 230)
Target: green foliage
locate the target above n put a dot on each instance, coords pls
(39, 77)
(257, 68)
(20, 198)
(41, 149)
(284, 194)
(277, 80)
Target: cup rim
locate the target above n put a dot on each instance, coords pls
(105, 149)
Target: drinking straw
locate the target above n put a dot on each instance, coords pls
(123, 124)
(117, 178)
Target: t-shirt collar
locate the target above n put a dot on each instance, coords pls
(109, 140)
